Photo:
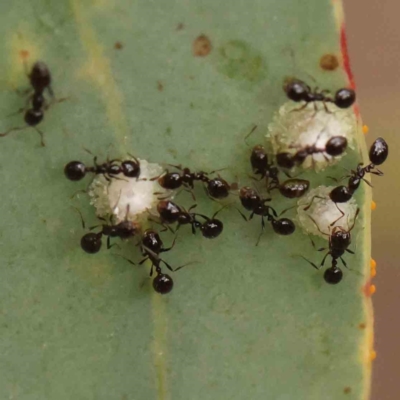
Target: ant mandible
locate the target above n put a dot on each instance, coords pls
(297, 90)
(253, 202)
(76, 170)
(339, 241)
(378, 153)
(40, 80)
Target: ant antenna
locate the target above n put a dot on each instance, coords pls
(249, 134)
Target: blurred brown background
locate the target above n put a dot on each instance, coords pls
(373, 32)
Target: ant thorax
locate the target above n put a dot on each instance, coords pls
(295, 128)
(137, 195)
(319, 215)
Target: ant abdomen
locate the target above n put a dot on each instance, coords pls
(91, 242)
(379, 151)
(218, 188)
(163, 283)
(283, 226)
(333, 275)
(75, 170)
(336, 146)
(40, 77)
(294, 188)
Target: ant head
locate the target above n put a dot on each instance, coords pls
(285, 160)
(333, 275)
(296, 90)
(249, 198)
(378, 151)
(294, 188)
(344, 98)
(75, 170)
(33, 117)
(40, 76)
(91, 242)
(151, 240)
(170, 180)
(336, 145)
(341, 194)
(212, 228)
(259, 159)
(127, 229)
(131, 168)
(283, 226)
(218, 188)
(163, 283)
(169, 211)
(340, 238)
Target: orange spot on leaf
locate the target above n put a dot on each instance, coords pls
(365, 129)
(372, 355)
(372, 289)
(328, 62)
(373, 273)
(201, 46)
(373, 205)
(373, 263)
(24, 54)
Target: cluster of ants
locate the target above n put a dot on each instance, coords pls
(264, 167)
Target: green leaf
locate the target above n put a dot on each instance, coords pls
(245, 322)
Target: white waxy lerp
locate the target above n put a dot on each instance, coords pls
(293, 128)
(324, 211)
(138, 196)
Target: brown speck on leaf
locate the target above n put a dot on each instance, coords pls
(24, 54)
(347, 390)
(160, 86)
(362, 326)
(202, 46)
(180, 26)
(118, 46)
(329, 62)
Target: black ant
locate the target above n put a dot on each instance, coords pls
(91, 242)
(252, 201)
(339, 241)
(171, 213)
(40, 80)
(216, 188)
(335, 146)
(186, 178)
(291, 188)
(377, 156)
(76, 170)
(297, 90)
(152, 246)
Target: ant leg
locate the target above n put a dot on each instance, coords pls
(21, 128)
(342, 215)
(300, 108)
(243, 216)
(315, 223)
(169, 248)
(262, 230)
(344, 262)
(249, 134)
(217, 212)
(93, 227)
(368, 183)
(287, 209)
(109, 245)
(355, 217)
(82, 220)
(312, 200)
(127, 259)
(181, 266)
(310, 262)
(176, 166)
(350, 251)
(315, 247)
(323, 260)
(41, 136)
